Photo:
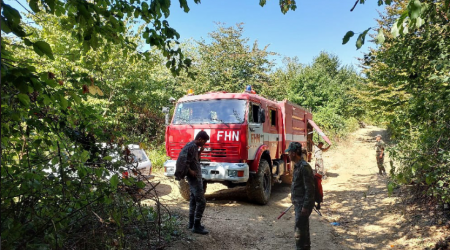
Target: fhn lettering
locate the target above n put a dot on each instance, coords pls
(255, 138)
(228, 135)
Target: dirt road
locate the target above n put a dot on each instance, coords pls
(354, 196)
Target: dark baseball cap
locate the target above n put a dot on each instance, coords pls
(294, 146)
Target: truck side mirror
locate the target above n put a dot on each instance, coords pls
(262, 116)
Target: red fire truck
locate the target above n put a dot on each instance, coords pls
(248, 137)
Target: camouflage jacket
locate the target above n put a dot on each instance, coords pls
(379, 146)
(302, 189)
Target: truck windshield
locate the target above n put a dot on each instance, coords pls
(210, 112)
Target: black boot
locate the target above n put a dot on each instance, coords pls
(198, 228)
(191, 222)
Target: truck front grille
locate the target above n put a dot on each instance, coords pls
(212, 150)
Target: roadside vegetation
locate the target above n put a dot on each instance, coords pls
(79, 74)
(408, 90)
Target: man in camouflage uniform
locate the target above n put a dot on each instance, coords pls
(190, 155)
(302, 195)
(379, 147)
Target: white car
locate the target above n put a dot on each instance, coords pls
(139, 159)
(144, 166)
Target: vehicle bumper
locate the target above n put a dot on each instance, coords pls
(215, 171)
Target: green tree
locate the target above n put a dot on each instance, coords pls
(408, 85)
(228, 63)
(57, 122)
(328, 89)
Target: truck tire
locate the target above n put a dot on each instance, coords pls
(259, 186)
(184, 189)
(287, 178)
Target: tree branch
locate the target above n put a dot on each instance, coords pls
(354, 6)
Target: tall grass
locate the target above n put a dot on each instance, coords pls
(158, 156)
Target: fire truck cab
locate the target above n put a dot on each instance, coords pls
(248, 137)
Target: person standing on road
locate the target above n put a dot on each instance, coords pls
(302, 195)
(190, 156)
(379, 147)
(318, 150)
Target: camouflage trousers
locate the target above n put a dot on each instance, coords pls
(380, 163)
(302, 236)
(197, 202)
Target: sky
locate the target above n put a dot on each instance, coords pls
(313, 27)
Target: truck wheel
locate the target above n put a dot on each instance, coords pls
(286, 179)
(259, 186)
(184, 189)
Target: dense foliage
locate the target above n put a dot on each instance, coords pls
(325, 87)
(409, 90)
(78, 86)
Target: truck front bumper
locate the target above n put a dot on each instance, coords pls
(215, 171)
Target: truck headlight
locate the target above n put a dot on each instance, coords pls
(235, 173)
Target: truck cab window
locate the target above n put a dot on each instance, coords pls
(273, 118)
(253, 113)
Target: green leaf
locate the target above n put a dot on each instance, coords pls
(24, 99)
(63, 102)
(107, 158)
(347, 37)
(37, 143)
(146, 34)
(394, 30)
(5, 26)
(262, 3)
(98, 172)
(401, 19)
(114, 181)
(75, 97)
(27, 42)
(34, 5)
(51, 82)
(144, 7)
(361, 38)
(11, 14)
(43, 48)
(380, 37)
(22, 86)
(140, 184)
(391, 186)
(419, 22)
(184, 5)
(429, 179)
(414, 9)
(84, 156)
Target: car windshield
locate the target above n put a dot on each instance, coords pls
(139, 155)
(210, 112)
